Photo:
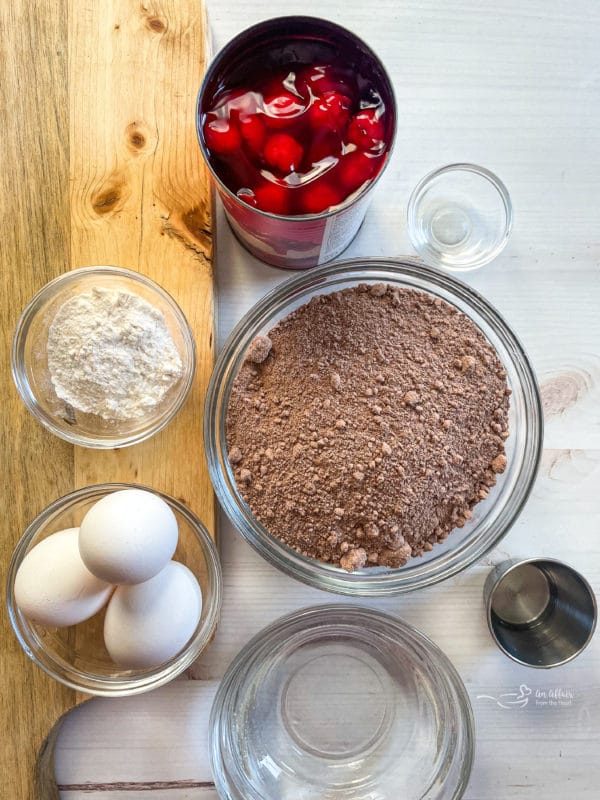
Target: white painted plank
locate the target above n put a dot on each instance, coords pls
(158, 737)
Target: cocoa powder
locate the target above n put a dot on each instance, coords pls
(367, 424)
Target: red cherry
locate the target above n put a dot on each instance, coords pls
(241, 102)
(222, 136)
(272, 197)
(325, 144)
(234, 101)
(318, 79)
(275, 84)
(332, 110)
(354, 169)
(283, 152)
(253, 132)
(280, 109)
(319, 196)
(248, 196)
(306, 81)
(366, 130)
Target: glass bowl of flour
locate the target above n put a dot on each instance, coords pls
(103, 357)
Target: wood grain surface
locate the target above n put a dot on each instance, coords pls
(100, 165)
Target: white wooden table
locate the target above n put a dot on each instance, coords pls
(514, 86)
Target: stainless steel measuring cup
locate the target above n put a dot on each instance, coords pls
(541, 612)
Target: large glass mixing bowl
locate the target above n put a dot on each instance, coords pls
(492, 517)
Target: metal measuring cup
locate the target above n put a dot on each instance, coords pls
(541, 612)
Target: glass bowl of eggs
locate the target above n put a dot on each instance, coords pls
(114, 589)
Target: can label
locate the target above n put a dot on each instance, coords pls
(340, 229)
(294, 243)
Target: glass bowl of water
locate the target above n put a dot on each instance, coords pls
(340, 702)
(459, 217)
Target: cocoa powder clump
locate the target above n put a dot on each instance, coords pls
(374, 419)
(259, 349)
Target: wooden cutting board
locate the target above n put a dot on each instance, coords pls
(99, 164)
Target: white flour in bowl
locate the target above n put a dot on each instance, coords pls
(110, 353)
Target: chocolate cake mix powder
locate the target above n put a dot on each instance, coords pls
(367, 424)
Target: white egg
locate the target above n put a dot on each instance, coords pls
(128, 536)
(54, 588)
(151, 622)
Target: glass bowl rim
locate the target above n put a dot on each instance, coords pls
(153, 678)
(48, 292)
(230, 357)
(280, 630)
(426, 252)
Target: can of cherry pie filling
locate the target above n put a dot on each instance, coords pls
(296, 119)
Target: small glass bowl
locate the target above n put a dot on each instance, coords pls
(459, 217)
(30, 360)
(77, 656)
(492, 517)
(341, 702)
